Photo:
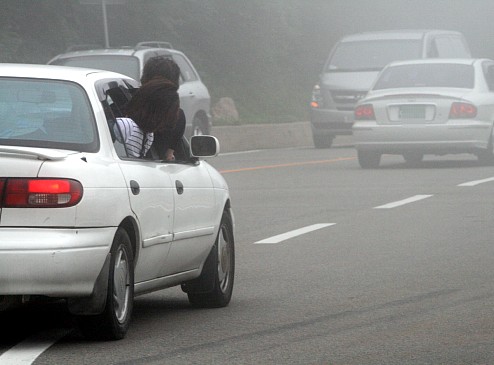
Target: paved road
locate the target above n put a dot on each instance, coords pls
(335, 265)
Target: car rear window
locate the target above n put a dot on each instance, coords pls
(426, 75)
(372, 55)
(46, 114)
(126, 65)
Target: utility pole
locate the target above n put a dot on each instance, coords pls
(103, 9)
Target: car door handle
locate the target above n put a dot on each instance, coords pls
(134, 187)
(179, 186)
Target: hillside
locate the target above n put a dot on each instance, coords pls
(239, 51)
(266, 55)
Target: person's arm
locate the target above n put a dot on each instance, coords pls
(173, 137)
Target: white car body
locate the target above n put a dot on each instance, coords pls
(171, 211)
(416, 119)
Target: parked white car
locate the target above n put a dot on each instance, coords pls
(80, 220)
(420, 107)
(194, 95)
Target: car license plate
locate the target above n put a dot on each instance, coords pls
(412, 112)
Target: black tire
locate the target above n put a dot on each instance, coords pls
(368, 160)
(322, 141)
(214, 287)
(114, 322)
(199, 127)
(486, 157)
(413, 158)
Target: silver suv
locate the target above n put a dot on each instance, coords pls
(353, 65)
(194, 96)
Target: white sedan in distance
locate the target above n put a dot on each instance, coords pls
(82, 221)
(437, 106)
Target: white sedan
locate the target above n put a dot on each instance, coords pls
(82, 221)
(437, 106)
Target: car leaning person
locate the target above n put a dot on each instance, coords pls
(152, 109)
(160, 67)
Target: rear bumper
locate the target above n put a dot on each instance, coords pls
(461, 137)
(52, 262)
(331, 122)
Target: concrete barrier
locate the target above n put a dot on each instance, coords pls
(264, 136)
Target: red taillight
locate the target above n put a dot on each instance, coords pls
(461, 110)
(40, 193)
(364, 112)
(2, 184)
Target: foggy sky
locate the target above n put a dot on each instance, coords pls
(474, 18)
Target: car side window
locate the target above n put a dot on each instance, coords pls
(448, 47)
(187, 73)
(488, 70)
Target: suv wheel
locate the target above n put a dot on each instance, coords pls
(199, 126)
(322, 141)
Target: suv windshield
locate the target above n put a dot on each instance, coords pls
(372, 55)
(46, 114)
(427, 75)
(126, 65)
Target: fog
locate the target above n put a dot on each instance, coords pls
(336, 18)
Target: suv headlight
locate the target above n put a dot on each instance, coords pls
(316, 97)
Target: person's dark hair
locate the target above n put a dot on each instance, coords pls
(154, 107)
(160, 66)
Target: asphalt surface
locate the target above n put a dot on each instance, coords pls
(398, 272)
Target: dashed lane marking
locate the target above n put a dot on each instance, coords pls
(403, 202)
(27, 351)
(477, 182)
(297, 232)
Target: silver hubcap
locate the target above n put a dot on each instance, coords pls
(121, 285)
(224, 259)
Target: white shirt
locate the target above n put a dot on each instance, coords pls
(132, 136)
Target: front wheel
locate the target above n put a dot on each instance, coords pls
(199, 127)
(368, 160)
(114, 322)
(214, 287)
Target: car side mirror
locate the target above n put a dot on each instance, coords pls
(204, 146)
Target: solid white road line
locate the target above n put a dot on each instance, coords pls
(27, 351)
(285, 236)
(403, 202)
(477, 182)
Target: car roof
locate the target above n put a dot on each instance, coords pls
(51, 72)
(426, 61)
(125, 51)
(395, 34)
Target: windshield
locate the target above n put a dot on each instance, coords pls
(372, 55)
(427, 75)
(46, 114)
(126, 65)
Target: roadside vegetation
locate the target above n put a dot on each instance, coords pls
(251, 51)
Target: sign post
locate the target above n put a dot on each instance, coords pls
(105, 21)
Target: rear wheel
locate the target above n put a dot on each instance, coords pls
(114, 322)
(486, 157)
(368, 159)
(213, 289)
(322, 141)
